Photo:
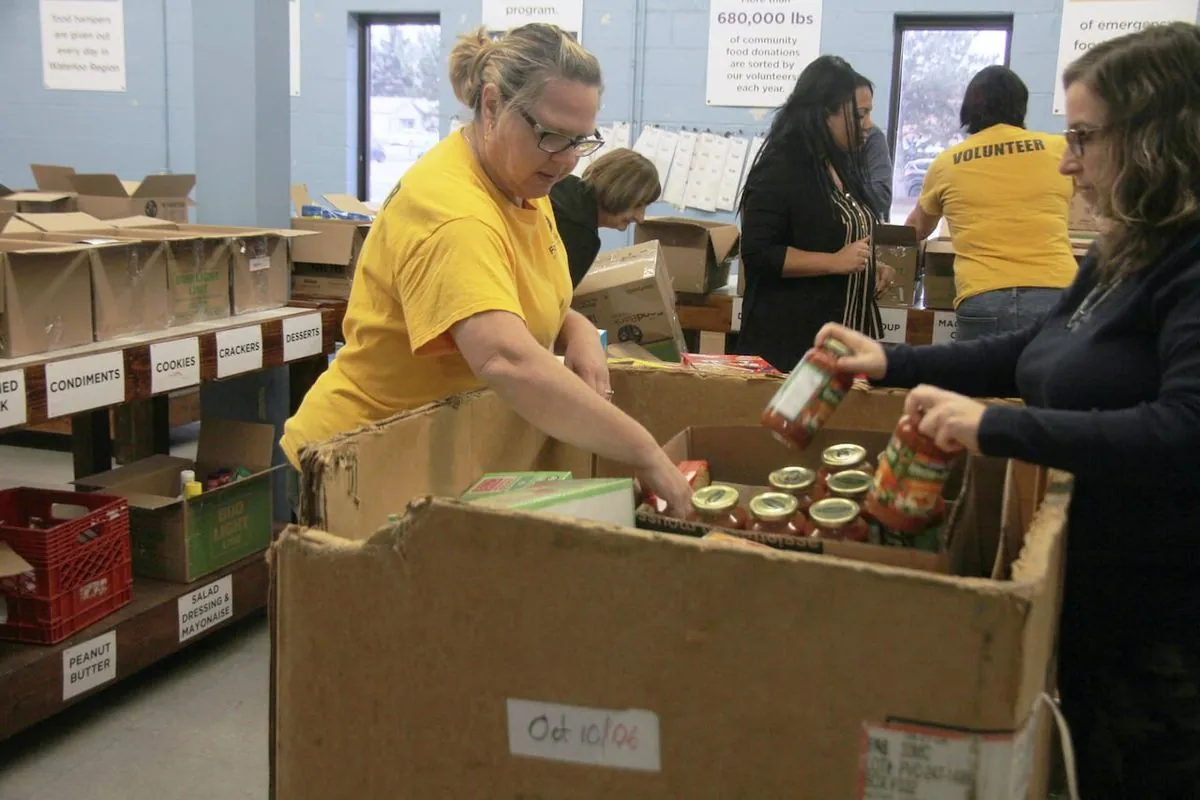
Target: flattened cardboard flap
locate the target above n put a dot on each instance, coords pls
(226, 443)
(348, 203)
(38, 197)
(939, 245)
(68, 222)
(141, 222)
(162, 186)
(99, 185)
(300, 197)
(53, 178)
(11, 563)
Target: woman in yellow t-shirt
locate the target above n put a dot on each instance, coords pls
(463, 282)
(1006, 203)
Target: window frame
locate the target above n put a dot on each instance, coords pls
(365, 22)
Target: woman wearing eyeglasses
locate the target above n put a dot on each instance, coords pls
(1006, 204)
(1111, 383)
(463, 282)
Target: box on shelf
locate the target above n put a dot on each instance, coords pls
(13, 226)
(323, 265)
(697, 251)
(45, 297)
(732, 626)
(937, 274)
(183, 540)
(105, 196)
(896, 247)
(628, 293)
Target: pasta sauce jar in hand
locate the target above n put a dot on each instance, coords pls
(906, 496)
(809, 396)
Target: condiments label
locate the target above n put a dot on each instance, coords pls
(895, 324)
(13, 408)
(81, 384)
(174, 365)
(618, 739)
(205, 608)
(88, 665)
(239, 350)
(302, 336)
(945, 327)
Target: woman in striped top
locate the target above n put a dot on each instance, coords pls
(807, 222)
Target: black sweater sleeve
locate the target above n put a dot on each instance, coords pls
(984, 367)
(766, 219)
(1164, 432)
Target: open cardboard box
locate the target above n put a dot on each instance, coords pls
(105, 196)
(697, 251)
(45, 296)
(184, 540)
(324, 264)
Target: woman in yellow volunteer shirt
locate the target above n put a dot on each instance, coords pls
(463, 280)
(1006, 204)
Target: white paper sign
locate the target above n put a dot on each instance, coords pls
(619, 739)
(302, 336)
(1087, 23)
(81, 384)
(757, 50)
(174, 365)
(664, 153)
(500, 15)
(88, 665)
(945, 327)
(620, 135)
(294, 46)
(239, 350)
(731, 175)
(676, 186)
(13, 409)
(83, 45)
(735, 321)
(647, 143)
(895, 324)
(704, 178)
(205, 608)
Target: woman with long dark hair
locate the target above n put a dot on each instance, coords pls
(807, 221)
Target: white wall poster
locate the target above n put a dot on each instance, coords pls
(83, 45)
(1087, 23)
(500, 15)
(757, 50)
(294, 45)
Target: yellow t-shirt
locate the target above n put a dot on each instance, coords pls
(1006, 203)
(445, 246)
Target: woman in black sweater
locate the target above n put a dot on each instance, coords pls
(1111, 382)
(807, 221)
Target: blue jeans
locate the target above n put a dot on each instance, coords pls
(1002, 311)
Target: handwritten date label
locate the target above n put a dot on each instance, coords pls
(618, 739)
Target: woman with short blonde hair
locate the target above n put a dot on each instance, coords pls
(614, 191)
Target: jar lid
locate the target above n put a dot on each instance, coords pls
(833, 512)
(835, 347)
(716, 497)
(774, 506)
(792, 478)
(852, 483)
(843, 455)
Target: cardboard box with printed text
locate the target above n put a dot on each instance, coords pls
(105, 196)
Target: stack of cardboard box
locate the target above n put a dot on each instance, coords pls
(324, 263)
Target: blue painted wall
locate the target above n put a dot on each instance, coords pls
(653, 53)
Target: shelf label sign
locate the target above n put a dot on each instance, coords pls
(205, 608)
(735, 320)
(174, 365)
(239, 350)
(620, 739)
(13, 410)
(302, 336)
(945, 327)
(88, 665)
(81, 384)
(895, 325)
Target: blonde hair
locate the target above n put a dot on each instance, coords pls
(1148, 85)
(518, 63)
(622, 181)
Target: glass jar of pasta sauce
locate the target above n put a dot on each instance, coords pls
(836, 459)
(717, 505)
(796, 481)
(851, 485)
(809, 396)
(836, 518)
(775, 512)
(906, 495)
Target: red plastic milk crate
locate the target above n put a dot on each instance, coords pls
(82, 565)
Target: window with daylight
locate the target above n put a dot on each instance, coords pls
(933, 61)
(400, 68)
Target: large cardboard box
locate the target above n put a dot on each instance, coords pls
(130, 293)
(45, 297)
(38, 202)
(697, 251)
(184, 540)
(937, 274)
(628, 293)
(884, 677)
(896, 247)
(324, 264)
(106, 196)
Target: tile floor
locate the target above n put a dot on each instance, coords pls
(192, 726)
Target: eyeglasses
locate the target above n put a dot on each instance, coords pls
(1077, 139)
(553, 142)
